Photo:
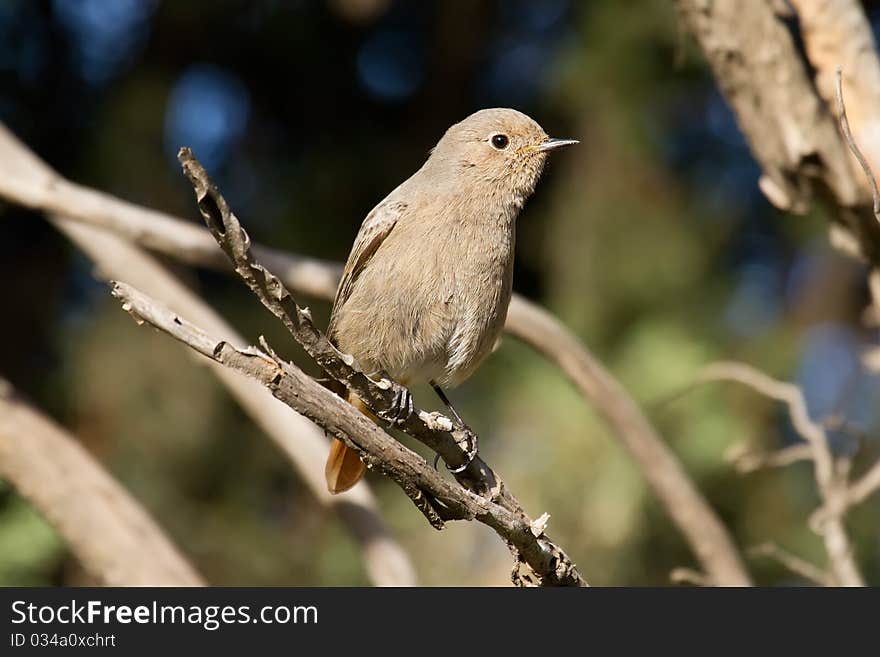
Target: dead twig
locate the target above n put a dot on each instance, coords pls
(853, 147)
(861, 489)
(746, 460)
(793, 563)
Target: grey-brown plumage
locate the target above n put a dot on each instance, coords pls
(425, 291)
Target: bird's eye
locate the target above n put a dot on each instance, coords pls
(500, 142)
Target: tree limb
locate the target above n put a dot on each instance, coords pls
(837, 35)
(379, 451)
(109, 532)
(789, 128)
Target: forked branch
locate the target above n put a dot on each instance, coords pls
(831, 480)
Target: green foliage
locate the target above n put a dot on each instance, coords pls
(31, 550)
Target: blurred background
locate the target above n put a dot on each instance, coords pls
(650, 240)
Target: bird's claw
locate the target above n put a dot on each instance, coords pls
(473, 449)
(402, 407)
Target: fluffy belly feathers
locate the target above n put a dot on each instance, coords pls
(429, 327)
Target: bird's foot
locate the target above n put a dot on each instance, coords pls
(402, 407)
(473, 450)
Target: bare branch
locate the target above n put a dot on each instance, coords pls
(787, 393)
(112, 536)
(689, 576)
(378, 450)
(794, 563)
(528, 322)
(745, 460)
(864, 487)
(830, 481)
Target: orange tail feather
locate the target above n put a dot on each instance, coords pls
(344, 467)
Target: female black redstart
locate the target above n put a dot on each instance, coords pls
(425, 291)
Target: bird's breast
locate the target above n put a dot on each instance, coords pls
(432, 302)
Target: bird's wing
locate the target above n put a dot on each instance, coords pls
(376, 227)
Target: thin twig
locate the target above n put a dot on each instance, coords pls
(689, 576)
(793, 562)
(746, 461)
(862, 488)
(787, 393)
(853, 147)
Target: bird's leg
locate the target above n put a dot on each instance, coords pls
(472, 448)
(447, 403)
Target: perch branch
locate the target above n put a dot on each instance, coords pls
(112, 536)
(378, 450)
(526, 321)
(830, 482)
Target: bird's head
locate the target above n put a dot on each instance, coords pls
(500, 149)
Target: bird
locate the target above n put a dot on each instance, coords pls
(425, 290)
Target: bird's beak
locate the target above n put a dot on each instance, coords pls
(552, 144)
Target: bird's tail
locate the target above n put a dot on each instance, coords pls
(344, 467)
